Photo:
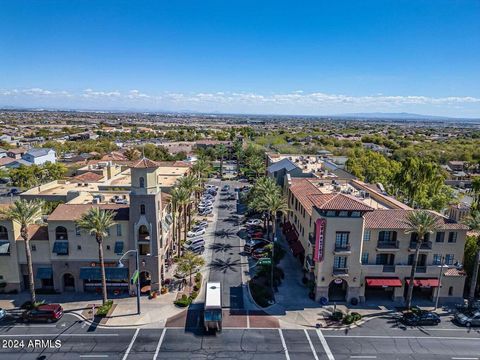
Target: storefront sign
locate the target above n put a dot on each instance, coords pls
(319, 239)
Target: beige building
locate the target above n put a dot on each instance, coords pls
(351, 240)
(65, 258)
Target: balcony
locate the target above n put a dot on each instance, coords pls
(340, 271)
(388, 268)
(388, 245)
(421, 269)
(425, 246)
(342, 249)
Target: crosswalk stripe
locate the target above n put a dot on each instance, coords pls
(311, 345)
(284, 344)
(131, 345)
(325, 345)
(160, 341)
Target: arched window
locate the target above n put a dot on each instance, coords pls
(61, 233)
(142, 209)
(142, 182)
(3, 233)
(450, 291)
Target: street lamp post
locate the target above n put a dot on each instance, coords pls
(442, 266)
(137, 264)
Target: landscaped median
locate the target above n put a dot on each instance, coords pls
(185, 299)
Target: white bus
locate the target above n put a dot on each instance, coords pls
(212, 315)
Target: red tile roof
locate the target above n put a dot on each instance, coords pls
(303, 189)
(87, 177)
(36, 232)
(397, 219)
(6, 160)
(339, 201)
(145, 163)
(73, 212)
(114, 155)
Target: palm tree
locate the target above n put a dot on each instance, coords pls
(473, 222)
(179, 198)
(420, 222)
(189, 263)
(97, 222)
(273, 204)
(221, 151)
(26, 213)
(192, 185)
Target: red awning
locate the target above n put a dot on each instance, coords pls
(297, 248)
(384, 282)
(292, 236)
(424, 282)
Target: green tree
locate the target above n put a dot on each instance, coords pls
(180, 198)
(221, 152)
(473, 222)
(25, 213)
(420, 222)
(97, 222)
(189, 263)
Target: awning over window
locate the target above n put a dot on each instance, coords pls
(111, 273)
(424, 282)
(118, 247)
(4, 247)
(44, 273)
(297, 248)
(384, 282)
(60, 247)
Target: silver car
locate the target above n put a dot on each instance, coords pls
(468, 319)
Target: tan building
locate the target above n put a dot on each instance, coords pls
(65, 258)
(352, 243)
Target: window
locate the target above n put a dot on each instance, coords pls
(343, 213)
(118, 247)
(60, 247)
(414, 237)
(355, 214)
(61, 233)
(142, 209)
(79, 247)
(108, 247)
(440, 238)
(452, 237)
(450, 291)
(34, 247)
(119, 229)
(331, 213)
(77, 230)
(4, 247)
(449, 259)
(364, 258)
(437, 259)
(387, 236)
(3, 233)
(341, 238)
(366, 235)
(141, 181)
(340, 262)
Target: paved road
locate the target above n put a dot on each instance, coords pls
(379, 340)
(226, 263)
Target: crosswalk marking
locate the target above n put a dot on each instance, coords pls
(325, 345)
(284, 344)
(311, 345)
(160, 341)
(131, 345)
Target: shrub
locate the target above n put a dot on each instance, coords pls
(194, 295)
(104, 309)
(196, 287)
(337, 315)
(184, 301)
(348, 319)
(356, 316)
(198, 277)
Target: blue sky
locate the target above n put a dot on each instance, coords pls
(286, 57)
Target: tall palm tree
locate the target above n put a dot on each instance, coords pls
(192, 185)
(473, 222)
(420, 222)
(97, 222)
(26, 213)
(189, 263)
(221, 152)
(273, 204)
(180, 198)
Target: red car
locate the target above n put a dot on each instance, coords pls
(260, 253)
(47, 313)
(257, 234)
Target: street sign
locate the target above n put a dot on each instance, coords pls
(135, 277)
(264, 261)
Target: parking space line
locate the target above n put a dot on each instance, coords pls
(325, 345)
(284, 344)
(464, 358)
(403, 337)
(93, 356)
(363, 357)
(311, 345)
(160, 341)
(131, 344)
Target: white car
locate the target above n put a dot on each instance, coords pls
(253, 222)
(205, 212)
(196, 233)
(3, 314)
(202, 224)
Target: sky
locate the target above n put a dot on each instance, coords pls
(241, 56)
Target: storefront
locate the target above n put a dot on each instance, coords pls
(117, 279)
(381, 288)
(423, 289)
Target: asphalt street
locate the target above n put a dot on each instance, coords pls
(377, 339)
(226, 263)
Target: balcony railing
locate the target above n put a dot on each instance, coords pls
(389, 268)
(421, 269)
(388, 245)
(340, 271)
(426, 245)
(342, 248)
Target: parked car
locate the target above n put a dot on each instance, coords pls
(205, 212)
(468, 318)
(3, 314)
(203, 224)
(225, 188)
(197, 249)
(420, 318)
(46, 312)
(206, 203)
(256, 234)
(260, 253)
(192, 243)
(254, 244)
(192, 234)
(253, 222)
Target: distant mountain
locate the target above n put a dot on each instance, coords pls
(395, 116)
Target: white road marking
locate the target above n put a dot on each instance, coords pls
(325, 345)
(311, 345)
(464, 358)
(403, 337)
(55, 335)
(93, 356)
(131, 345)
(157, 350)
(363, 357)
(284, 344)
